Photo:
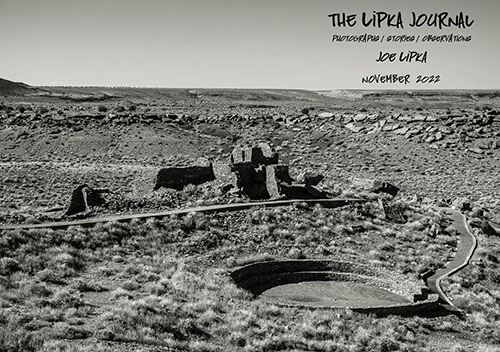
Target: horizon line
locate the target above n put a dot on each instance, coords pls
(266, 88)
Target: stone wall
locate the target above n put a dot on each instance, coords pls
(260, 176)
(179, 177)
(82, 198)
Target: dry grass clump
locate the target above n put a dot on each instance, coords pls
(14, 340)
(254, 258)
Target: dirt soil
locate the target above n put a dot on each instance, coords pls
(332, 294)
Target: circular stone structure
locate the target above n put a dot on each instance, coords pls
(330, 284)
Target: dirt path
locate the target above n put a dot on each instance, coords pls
(467, 246)
(201, 209)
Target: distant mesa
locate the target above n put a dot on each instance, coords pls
(9, 88)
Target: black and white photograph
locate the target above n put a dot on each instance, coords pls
(249, 175)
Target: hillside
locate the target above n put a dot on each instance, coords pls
(8, 88)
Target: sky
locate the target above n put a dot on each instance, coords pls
(234, 44)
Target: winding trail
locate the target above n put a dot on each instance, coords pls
(467, 246)
(332, 203)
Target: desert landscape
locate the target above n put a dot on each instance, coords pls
(155, 219)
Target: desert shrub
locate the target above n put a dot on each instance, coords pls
(130, 285)
(70, 332)
(102, 108)
(193, 222)
(51, 276)
(18, 340)
(296, 253)
(254, 258)
(64, 346)
(375, 255)
(51, 315)
(37, 289)
(343, 230)
(65, 261)
(120, 293)
(427, 262)
(82, 285)
(151, 313)
(283, 234)
(386, 246)
(493, 275)
(8, 266)
(65, 298)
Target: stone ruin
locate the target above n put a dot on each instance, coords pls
(255, 172)
(259, 175)
(392, 212)
(178, 177)
(375, 186)
(84, 197)
(252, 171)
